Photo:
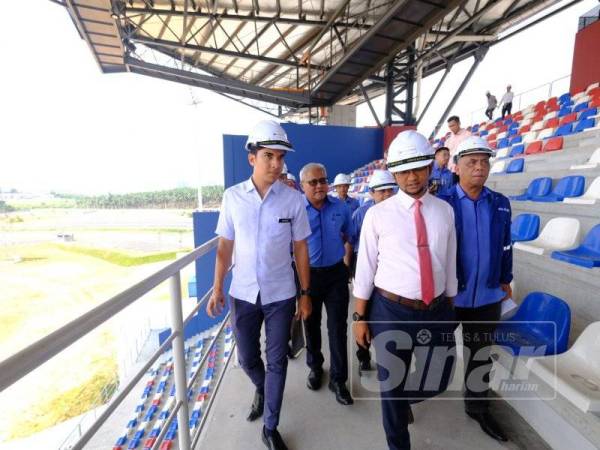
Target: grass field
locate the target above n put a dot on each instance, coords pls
(44, 286)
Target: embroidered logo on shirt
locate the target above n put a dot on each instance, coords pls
(285, 220)
(504, 209)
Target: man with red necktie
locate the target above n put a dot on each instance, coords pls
(406, 269)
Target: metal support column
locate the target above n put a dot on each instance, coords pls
(435, 91)
(479, 55)
(183, 416)
(398, 80)
(389, 93)
(410, 82)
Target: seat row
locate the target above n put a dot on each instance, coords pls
(569, 189)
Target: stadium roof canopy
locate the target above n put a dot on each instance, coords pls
(294, 53)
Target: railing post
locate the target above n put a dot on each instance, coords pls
(183, 417)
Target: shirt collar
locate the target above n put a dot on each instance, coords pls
(275, 187)
(307, 203)
(407, 201)
(461, 194)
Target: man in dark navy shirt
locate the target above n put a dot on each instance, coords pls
(331, 228)
(441, 180)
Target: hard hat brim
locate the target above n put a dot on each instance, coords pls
(341, 184)
(381, 187)
(474, 151)
(402, 167)
(274, 145)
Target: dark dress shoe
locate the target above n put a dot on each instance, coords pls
(489, 425)
(257, 407)
(341, 393)
(272, 440)
(411, 418)
(314, 379)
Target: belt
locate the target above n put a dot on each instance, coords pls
(327, 268)
(413, 304)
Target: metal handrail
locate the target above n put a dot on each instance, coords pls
(23, 362)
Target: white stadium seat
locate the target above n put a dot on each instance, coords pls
(537, 126)
(592, 86)
(529, 137)
(498, 167)
(551, 115)
(575, 373)
(545, 134)
(501, 135)
(502, 153)
(560, 233)
(592, 163)
(590, 197)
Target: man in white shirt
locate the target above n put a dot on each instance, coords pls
(457, 135)
(506, 101)
(261, 216)
(406, 275)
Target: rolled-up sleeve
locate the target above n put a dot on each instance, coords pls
(225, 226)
(451, 280)
(300, 226)
(368, 252)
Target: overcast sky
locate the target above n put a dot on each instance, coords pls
(67, 127)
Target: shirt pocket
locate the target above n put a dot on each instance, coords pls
(334, 225)
(281, 227)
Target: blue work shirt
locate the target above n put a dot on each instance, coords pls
(357, 220)
(328, 226)
(474, 251)
(445, 179)
(351, 202)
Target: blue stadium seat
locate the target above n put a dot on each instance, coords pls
(581, 107)
(564, 111)
(564, 130)
(517, 150)
(484, 133)
(512, 132)
(525, 227)
(121, 441)
(565, 98)
(502, 143)
(540, 326)
(537, 187)
(516, 166)
(516, 140)
(134, 443)
(588, 113)
(571, 186)
(587, 254)
(584, 125)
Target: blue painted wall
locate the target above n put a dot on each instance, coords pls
(340, 149)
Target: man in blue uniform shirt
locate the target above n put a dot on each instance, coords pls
(259, 218)
(341, 183)
(441, 180)
(484, 270)
(382, 186)
(331, 227)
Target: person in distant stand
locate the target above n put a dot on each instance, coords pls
(506, 101)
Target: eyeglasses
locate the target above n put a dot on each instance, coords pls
(316, 181)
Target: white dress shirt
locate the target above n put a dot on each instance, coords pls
(387, 255)
(507, 97)
(262, 230)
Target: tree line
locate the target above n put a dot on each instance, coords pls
(179, 198)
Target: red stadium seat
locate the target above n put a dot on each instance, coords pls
(493, 144)
(525, 129)
(594, 92)
(553, 144)
(568, 118)
(502, 128)
(552, 101)
(552, 107)
(491, 137)
(552, 123)
(595, 103)
(534, 147)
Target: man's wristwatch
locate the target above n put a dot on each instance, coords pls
(356, 317)
(305, 292)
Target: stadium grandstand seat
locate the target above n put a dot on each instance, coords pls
(534, 147)
(516, 166)
(591, 112)
(539, 327)
(537, 187)
(546, 133)
(501, 135)
(502, 153)
(524, 129)
(565, 98)
(576, 373)
(515, 140)
(569, 186)
(560, 233)
(591, 163)
(503, 142)
(580, 107)
(584, 124)
(530, 137)
(551, 117)
(553, 144)
(516, 150)
(564, 111)
(525, 227)
(537, 126)
(587, 254)
(498, 167)
(591, 195)
(569, 118)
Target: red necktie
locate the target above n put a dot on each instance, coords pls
(427, 287)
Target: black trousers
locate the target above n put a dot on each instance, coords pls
(489, 113)
(478, 339)
(506, 109)
(330, 288)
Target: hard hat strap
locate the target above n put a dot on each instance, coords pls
(410, 160)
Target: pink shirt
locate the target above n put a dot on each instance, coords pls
(452, 144)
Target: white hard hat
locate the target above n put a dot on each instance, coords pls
(409, 150)
(291, 176)
(341, 178)
(381, 179)
(284, 171)
(472, 145)
(268, 134)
